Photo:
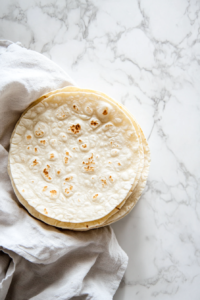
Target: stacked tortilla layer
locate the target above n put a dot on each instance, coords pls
(78, 159)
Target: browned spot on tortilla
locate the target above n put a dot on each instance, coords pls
(29, 137)
(45, 211)
(39, 132)
(111, 179)
(89, 169)
(103, 182)
(105, 112)
(118, 208)
(58, 172)
(87, 226)
(69, 178)
(90, 162)
(42, 142)
(84, 146)
(75, 107)
(51, 156)
(94, 123)
(79, 141)
(95, 196)
(36, 150)
(53, 193)
(28, 148)
(75, 128)
(109, 162)
(66, 160)
(67, 190)
(44, 188)
(46, 172)
(119, 164)
(23, 191)
(35, 163)
(67, 153)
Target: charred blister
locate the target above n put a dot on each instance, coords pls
(52, 155)
(28, 137)
(94, 123)
(83, 144)
(89, 164)
(43, 142)
(67, 157)
(34, 163)
(104, 111)
(47, 172)
(40, 129)
(74, 128)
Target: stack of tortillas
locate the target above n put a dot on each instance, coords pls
(78, 159)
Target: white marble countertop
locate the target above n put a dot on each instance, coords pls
(145, 54)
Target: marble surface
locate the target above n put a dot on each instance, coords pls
(145, 54)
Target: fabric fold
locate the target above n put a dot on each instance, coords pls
(45, 262)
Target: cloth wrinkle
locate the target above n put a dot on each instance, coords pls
(45, 262)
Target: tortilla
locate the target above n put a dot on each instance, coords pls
(40, 131)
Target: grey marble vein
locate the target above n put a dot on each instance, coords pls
(145, 54)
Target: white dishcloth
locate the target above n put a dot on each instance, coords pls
(38, 261)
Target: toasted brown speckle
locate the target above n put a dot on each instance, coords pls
(110, 177)
(53, 193)
(67, 190)
(105, 112)
(75, 128)
(51, 156)
(46, 172)
(103, 182)
(69, 178)
(35, 163)
(39, 132)
(94, 123)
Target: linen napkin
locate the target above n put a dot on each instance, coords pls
(38, 261)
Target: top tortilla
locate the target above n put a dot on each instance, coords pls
(17, 169)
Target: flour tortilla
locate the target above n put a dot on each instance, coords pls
(142, 174)
(77, 226)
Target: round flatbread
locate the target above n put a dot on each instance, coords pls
(142, 175)
(65, 160)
